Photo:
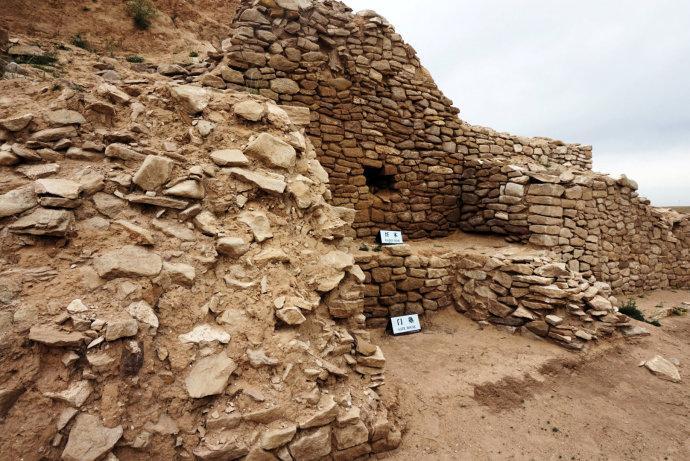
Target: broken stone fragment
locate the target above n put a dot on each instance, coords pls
(600, 303)
(229, 158)
(207, 223)
(269, 182)
(209, 376)
(122, 152)
(17, 201)
(193, 99)
(206, 334)
(76, 394)
(52, 336)
(220, 450)
(553, 320)
(154, 172)
(291, 316)
(108, 204)
(113, 93)
(65, 417)
(45, 222)
(179, 273)
(258, 358)
(89, 439)
(54, 134)
(376, 360)
(143, 312)
(17, 123)
(165, 202)
(663, 368)
(121, 328)
(327, 411)
(249, 110)
(275, 438)
(272, 151)
(77, 306)
(232, 246)
(258, 223)
(128, 261)
(188, 189)
(65, 117)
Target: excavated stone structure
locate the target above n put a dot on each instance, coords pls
(390, 140)
(398, 154)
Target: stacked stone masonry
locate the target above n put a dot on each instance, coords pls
(598, 225)
(532, 292)
(397, 153)
(390, 140)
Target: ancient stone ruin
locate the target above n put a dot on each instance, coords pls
(188, 266)
(397, 153)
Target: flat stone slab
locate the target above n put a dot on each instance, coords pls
(44, 222)
(663, 368)
(165, 202)
(52, 336)
(89, 439)
(273, 183)
(17, 201)
(128, 261)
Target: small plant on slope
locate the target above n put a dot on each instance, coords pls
(142, 12)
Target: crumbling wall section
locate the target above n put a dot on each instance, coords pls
(600, 226)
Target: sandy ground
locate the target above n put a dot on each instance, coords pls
(491, 395)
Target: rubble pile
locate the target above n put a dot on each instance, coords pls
(174, 281)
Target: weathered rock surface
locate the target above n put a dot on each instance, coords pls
(128, 261)
(154, 172)
(663, 368)
(52, 336)
(272, 151)
(209, 375)
(89, 439)
(17, 201)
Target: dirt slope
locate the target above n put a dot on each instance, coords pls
(180, 25)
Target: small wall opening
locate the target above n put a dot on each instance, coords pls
(378, 181)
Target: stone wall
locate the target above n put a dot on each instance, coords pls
(530, 292)
(390, 140)
(599, 225)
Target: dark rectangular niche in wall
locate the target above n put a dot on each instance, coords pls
(377, 181)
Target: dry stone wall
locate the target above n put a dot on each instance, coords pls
(599, 225)
(534, 292)
(391, 141)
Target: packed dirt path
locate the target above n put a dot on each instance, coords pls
(471, 394)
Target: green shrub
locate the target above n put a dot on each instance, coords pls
(630, 309)
(193, 54)
(135, 59)
(142, 12)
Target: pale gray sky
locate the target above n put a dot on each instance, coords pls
(611, 73)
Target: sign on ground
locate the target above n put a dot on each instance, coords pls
(406, 324)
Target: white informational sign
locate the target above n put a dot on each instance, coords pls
(406, 324)
(390, 237)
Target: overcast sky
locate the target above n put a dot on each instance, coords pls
(611, 73)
